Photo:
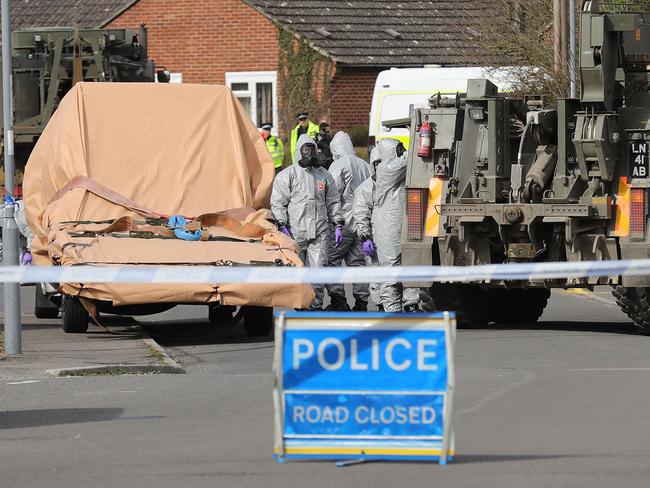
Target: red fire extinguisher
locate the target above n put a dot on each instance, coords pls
(424, 140)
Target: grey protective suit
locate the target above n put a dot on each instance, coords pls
(378, 214)
(348, 172)
(306, 201)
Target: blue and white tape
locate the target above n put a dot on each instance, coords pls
(288, 275)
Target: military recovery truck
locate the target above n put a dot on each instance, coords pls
(47, 62)
(514, 180)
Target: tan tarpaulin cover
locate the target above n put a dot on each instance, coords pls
(136, 151)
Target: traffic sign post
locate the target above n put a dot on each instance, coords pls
(364, 386)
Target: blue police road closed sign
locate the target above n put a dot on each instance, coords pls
(364, 386)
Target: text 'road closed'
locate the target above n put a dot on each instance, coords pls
(328, 414)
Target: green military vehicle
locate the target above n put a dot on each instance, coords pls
(502, 180)
(47, 62)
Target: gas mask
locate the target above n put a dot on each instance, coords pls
(400, 150)
(308, 156)
(375, 165)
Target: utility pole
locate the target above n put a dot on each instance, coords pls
(557, 36)
(573, 73)
(10, 236)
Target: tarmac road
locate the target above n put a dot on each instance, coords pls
(563, 403)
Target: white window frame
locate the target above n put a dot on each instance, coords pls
(252, 78)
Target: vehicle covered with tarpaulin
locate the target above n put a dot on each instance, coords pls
(156, 174)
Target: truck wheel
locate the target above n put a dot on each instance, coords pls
(531, 304)
(469, 302)
(43, 307)
(220, 314)
(635, 303)
(517, 305)
(258, 321)
(74, 317)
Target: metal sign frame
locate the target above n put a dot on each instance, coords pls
(363, 447)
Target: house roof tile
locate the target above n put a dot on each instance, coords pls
(383, 32)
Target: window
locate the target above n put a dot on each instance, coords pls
(256, 91)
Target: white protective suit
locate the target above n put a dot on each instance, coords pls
(307, 202)
(378, 214)
(348, 172)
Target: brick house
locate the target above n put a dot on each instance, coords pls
(236, 42)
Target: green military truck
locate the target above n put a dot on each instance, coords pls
(47, 62)
(504, 180)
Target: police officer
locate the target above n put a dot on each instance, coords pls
(304, 126)
(348, 172)
(305, 202)
(275, 146)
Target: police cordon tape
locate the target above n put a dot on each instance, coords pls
(287, 275)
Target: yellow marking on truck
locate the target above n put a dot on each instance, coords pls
(432, 221)
(622, 222)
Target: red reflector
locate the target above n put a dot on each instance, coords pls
(416, 212)
(637, 213)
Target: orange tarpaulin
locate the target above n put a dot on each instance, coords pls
(137, 151)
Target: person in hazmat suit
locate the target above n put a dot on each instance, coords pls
(348, 172)
(305, 202)
(378, 211)
(362, 204)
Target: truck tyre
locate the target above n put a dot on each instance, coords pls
(220, 314)
(74, 316)
(518, 306)
(469, 302)
(43, 307)
(635, 303)
(258, 321)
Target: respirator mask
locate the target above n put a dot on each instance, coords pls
(308, 156)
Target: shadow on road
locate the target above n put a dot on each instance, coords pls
(196, 332)
(575, 326)
(498, 458)
(56, 416)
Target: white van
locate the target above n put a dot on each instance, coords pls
(397, 89)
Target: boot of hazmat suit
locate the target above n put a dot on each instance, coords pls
(379, 226)
(348, 172)
(304, 202)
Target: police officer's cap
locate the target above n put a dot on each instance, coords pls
(302, 115)
(267, 126)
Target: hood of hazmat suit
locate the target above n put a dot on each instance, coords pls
(305, 199)
(348, 172)
(341, 145)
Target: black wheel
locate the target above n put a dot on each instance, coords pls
(258, 321)
(469, 302)
(220, 314)
(74, 317)
(635, 303)
(518, 305)
(43, 306)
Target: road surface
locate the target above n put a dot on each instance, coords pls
(561, 403)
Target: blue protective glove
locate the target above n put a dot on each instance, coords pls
(338, 235)
(285, 230)
(177, 222)
(368, 247)
(26, 259)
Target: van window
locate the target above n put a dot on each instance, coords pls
(396, 106)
